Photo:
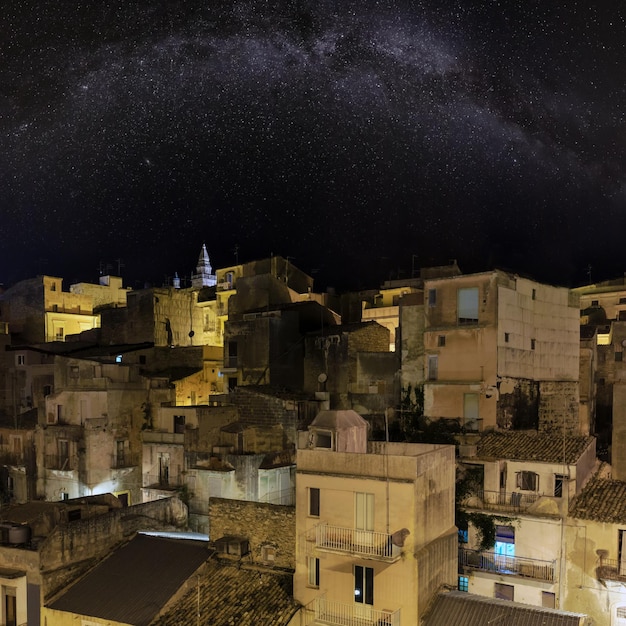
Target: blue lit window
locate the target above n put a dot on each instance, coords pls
(118, 358)
(463, 583)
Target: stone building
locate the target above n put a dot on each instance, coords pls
(38, 310)
(89, 441)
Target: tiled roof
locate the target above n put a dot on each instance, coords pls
(235, 595)
(136, 581)
(466, 609)
(602, 500)
(519, 446)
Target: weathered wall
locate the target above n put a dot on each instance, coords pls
(558, 407)
(518, 404)
(82, 541)
(262, 524)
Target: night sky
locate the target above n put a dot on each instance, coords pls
(349, 136)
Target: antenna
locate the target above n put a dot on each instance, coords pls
(236, 251)
(120, 265)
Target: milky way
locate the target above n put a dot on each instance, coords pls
(348, 135)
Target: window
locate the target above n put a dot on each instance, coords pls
(595, 303)
(364, 511)
(47, 390)
(363, 584)
(622, 552)
(313, 566)
(505, 541)
(618, 356)
(118, 358)
(441, 341)
(142, 359)
(463, 583)
(324, 439)
(268, 554)
(74, 371)
(121, 452)
(432, 367)
(534, 296)
(314, 502)
(559, 479)
(60, 333)
(467, 305)
(470, 409)
(503, 592)
(548, 600)
(10, 605)
(463, 535)
(532, 344)
(527, 481)
(179, 424)
(432, 297)
(507, 336)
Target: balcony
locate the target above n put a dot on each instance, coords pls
(124, 460)
(331, 613)
(511, 565)
(154, 436)
(611, 570)
(362, 543)
(514, 502)
(162, 482)
(60, 462)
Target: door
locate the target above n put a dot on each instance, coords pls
(363, 591)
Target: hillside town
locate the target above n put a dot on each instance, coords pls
(444, 449)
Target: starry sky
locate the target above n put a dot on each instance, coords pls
(362, 139)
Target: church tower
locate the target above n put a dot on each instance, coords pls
(204, 276)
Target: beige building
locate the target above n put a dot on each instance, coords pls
(38, 310)
(500, 351)
(515, 494)
(596, 551)
(108, 292)
(374, 524)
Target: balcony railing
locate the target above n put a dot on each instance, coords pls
(611, 569)
(121, 461)
(500, 500)
(323, 611)
(512, 565)
(60, 462)
(154, 481)
(286, 497)
(364, 543)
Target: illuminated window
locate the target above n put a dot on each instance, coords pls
(505, 541)
(363, 585)
(463, 583)
(118, 358)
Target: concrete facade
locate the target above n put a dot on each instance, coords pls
(490, 341)
(375, 531)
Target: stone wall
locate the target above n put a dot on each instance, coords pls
(558, 408)
(262, 524)
(84, 541)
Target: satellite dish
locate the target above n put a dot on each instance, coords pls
(624, 343)
(322, 378)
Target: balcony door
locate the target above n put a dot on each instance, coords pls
(363, 518)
